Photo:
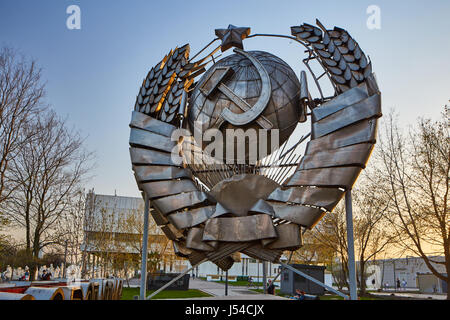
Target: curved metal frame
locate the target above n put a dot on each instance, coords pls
(344, 126)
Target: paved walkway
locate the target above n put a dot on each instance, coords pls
(422, 296)
(217, 290)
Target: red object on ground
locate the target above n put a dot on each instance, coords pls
(22, 289)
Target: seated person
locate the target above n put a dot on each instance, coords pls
(299, 295)
(271, 288)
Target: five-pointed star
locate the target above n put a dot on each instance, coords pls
(232, 37)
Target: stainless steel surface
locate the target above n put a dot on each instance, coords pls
(164, 85)
(305, 97)
(304, 93)
(180, 201)
(194, 240)
(239, 229)
(340, 55)
(171, 232)
(214, 82)
(182, 111)
(225, 263)
(365, 109)
(214, 79)
(191, 218)
(232, 36)
(282, 109)
(298, 214)
(239, 119)
(221, 255)
(166, 188)
(343, 177)
(241, 192)
(262, 206)
(326, 198)
(158, 217)
(140, 156)
(139, 137)
(212, 210)
(259, 252)
(154, 173)
(180, 249)
(355, 155)
(289, 237)
(142, 121)
(343, 100)
(361, 132)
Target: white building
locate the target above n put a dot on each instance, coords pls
(114, 228)
(246, 267)
(386, 272)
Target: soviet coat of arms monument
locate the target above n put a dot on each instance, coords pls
(214, 150)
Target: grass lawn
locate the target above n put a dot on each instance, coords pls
(129, 293)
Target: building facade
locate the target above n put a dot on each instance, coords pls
(113, 231)
(246, 267)
(385, 273)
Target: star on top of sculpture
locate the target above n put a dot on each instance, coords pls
(232, 36)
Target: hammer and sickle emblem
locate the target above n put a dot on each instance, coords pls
(250, 113)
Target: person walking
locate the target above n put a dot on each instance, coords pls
(404, 283)
(250, 282)
(398, 284)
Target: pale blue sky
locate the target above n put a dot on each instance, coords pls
(94, 74)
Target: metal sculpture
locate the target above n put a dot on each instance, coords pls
(211, 209)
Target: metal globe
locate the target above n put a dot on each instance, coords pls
(282, 110)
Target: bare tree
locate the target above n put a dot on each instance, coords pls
(131, 236)
(371, 228)
(313, 251)
(70, 227)
(47, 170)
(331, 233)
(371, 234)
(116, 235)
(416, 170)
(21, 95)
(100, 225)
